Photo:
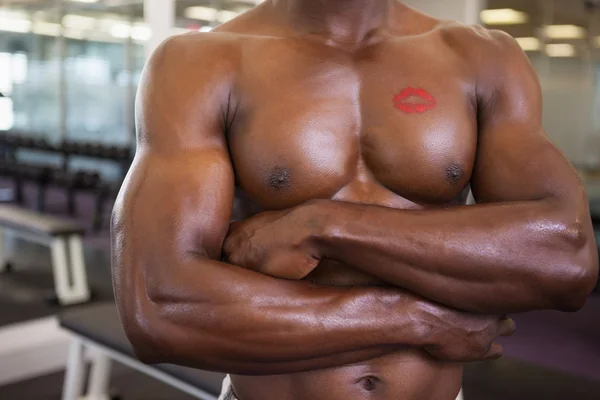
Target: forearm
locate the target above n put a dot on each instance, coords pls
(487, 258)
(243, 322)
(258, 368)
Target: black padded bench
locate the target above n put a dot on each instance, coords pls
(63, 236)
(97, 329)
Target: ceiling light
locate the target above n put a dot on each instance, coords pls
(529, 43)
(120, 31)
(564, 32)
(224, 16)
(141, 32)
(78, 21)
(16, 25)
(106, 24)
(46, 28)
(201, 13)
(14, 21)
(6, 15)
(560, 50)
(72, 33)
(503, 16)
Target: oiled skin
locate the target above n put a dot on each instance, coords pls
(286, 112)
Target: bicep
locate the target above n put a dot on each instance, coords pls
(181, 203)
(177, 199)
(515, 161)
(514, 164)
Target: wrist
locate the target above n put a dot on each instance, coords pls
(424, 315)
(395, 317)
(375, 312)
(318, 219)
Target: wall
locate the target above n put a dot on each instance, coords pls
(569, 94)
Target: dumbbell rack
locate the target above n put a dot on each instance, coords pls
(72, 180)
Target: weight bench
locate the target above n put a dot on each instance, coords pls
(64, 239)
(98, 330)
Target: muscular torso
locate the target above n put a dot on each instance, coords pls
(316, 121)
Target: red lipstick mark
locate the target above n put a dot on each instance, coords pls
(409, 107)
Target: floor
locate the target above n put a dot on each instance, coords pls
(126, 383)
(552, 356)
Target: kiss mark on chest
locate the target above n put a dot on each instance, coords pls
(414, 100)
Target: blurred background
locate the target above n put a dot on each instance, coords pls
(69, 71)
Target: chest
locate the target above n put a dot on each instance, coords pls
(392, 123)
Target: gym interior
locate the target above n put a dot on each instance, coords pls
(69, 73)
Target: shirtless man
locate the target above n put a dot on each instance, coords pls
(349, 132)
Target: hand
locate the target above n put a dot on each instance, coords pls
(276, 243)
(464, 337)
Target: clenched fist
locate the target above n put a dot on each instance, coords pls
(277, 243)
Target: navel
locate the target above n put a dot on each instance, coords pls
(280, 178)
(369, 383)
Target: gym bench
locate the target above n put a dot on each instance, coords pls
(64, 239)
(96, 334)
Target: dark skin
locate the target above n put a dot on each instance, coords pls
(360, 274)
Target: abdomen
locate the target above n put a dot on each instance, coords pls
(405, 375)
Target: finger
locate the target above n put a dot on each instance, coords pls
(228, 246)
(494, 352)
(507, 327)
(286, 265)
(232, 226)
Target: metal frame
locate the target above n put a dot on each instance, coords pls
(3, 255)
(68, 264)
(98, 385)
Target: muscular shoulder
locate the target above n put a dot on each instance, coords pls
(481, 47)
(185, 87)
(494, 58)
(189, 54)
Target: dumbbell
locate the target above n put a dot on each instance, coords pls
(86, 180)
(124, 153)
(27, 142)
(91, 180)
(68, 147)
(96, 150)
(8, 169)
(87, 149)
(76, 148)
(11, 139)
(110, 152)
(40, 143)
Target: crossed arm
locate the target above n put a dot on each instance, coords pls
(528, 243)
(179, 303)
